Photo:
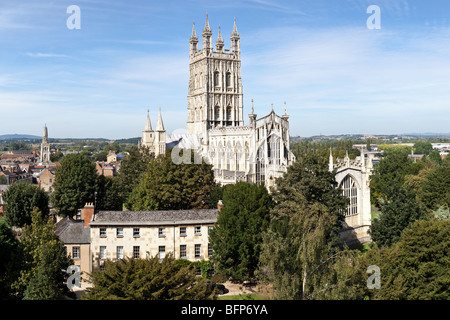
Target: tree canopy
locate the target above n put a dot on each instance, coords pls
(44, 260)
(417, 267)
(20, 198)
(74, 185)
(300, 243)
(396, 215)
(237, 235)
(166, 185)
(147, 279)
(10, 259)
(132, 168)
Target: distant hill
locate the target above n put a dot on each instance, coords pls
(128, 141)
(18, 137)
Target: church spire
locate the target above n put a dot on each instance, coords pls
(45, 135)
(330, 162)
(193, 35)
(207, 45)
(219, 42)
(207, 28)
(193, 41)
(235, 32)
(159, 124)
(235, 40)
(148, 124)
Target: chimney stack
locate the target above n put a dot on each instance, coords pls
(88, 213)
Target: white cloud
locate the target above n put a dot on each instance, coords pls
(46, 55)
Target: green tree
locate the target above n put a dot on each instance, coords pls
(390, 149)
(435, 156)
(396, 215)
(299, 246)
(56, 156)
(49, 281)
(20, 198)
(10, 259)
(132, 167)
(74, 185)
(389, 175)
(237, 235)
(417, 267)
(101, 156)
(422, 147)
(147, 279)
(42, 273)
(215, 195)
(108, 195)
(435, 189)
(166, 185)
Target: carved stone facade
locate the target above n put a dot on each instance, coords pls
(353, 177)
(258, 152)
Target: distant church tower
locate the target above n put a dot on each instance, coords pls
(154, 140)
(45, 147)
(215, 97)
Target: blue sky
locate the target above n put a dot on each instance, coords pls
(336, 75)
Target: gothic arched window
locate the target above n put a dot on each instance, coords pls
(350, 190)
(228, 79)
(217, 113)
(216, 79)
(229, 113)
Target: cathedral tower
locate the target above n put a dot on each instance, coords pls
(215, 97)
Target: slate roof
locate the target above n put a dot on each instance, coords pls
(72, 232)
(149, 218)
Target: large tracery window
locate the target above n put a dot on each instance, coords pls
(260, 166)
(350, 191)
(274, 149)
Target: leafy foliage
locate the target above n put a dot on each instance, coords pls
(132, 168)
(21, 197)
(237, 235)
(169, 186)
(396, 215)
(42, 273)
(435, 190)
(389, 175)
(417, 267)
(147, 279)
(422, 147)
(10, 258)
(74, 185)
(299, 245)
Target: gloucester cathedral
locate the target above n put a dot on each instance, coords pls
(258, 152)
